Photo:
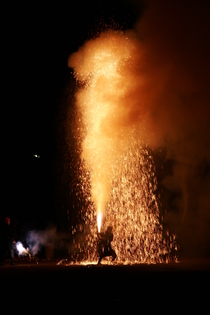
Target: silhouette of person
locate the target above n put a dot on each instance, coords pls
(7, 241)
(104, 247)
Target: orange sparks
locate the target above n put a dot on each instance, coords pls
(121, 173)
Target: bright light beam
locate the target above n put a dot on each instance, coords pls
(99, 220)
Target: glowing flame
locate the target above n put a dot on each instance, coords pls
(99, 220)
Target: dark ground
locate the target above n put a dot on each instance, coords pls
(46, 286)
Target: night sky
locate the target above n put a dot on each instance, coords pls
(36, 43)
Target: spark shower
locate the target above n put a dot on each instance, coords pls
(117, 170)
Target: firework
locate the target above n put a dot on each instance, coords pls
(116, 168)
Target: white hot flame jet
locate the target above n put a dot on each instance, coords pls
(99, 219)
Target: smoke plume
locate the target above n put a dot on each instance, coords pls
(159, 87)
(176, 41)
(37, 239)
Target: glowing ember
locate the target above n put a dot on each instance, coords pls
(117, 171)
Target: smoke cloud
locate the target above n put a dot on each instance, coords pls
(37, 239)
(161, 91)
(176, 41)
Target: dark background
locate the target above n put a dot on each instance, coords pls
(37, 90)
(36, 42)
